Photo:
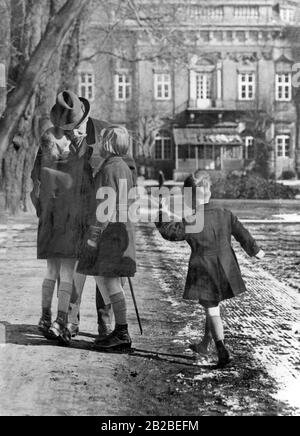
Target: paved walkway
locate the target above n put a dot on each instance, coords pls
(39, 378)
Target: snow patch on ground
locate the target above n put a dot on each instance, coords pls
(288, 383)
(21, 227)
(290, 393)
(171, 301)
(290, 218)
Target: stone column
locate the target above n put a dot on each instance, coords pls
(219, 84)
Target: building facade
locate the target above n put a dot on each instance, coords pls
(4, 54)
(235, 90)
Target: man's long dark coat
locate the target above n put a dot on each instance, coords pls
(63, 203)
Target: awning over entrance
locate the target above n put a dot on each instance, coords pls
(200, 136)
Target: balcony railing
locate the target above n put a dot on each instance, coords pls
(201, 104)
(222, 105)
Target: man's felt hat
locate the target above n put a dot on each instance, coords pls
(69, 111)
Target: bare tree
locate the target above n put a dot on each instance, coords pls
(41, 35)
(56, 30)
(43, 56)
(258, 123)
(149, 127)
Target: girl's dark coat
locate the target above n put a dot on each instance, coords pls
(116, 254)
(64, 198)
(214, 274)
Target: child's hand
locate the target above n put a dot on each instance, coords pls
(94, 234)
(92, 244)
(260, 255)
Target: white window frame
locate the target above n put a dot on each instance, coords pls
(283, 87)
(283, 141)
(163, 139)
(288, 15)
(204, 84)
(250, 86)
(249, 142)
(123, 86)
(162, 86)
(87, 85)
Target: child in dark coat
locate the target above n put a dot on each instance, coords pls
(214, 274)
(109, 254)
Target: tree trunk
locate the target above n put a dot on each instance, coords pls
(16, 168)
(51, 41)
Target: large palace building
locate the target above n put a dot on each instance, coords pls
(234, 90)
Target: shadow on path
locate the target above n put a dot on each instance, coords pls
(29, 335)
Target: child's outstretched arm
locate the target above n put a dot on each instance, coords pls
(243, 236)
(169, 230)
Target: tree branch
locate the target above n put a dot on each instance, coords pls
(52, 39)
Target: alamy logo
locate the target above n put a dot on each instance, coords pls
(136, 205)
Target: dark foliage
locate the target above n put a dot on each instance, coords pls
(251, 186)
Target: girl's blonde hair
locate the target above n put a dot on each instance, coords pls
(115, 140)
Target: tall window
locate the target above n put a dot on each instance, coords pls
(247, 86)
(87, 86)
(122, 87)
(209, 157)
(204, 86)
(232, 152)
(287, 15)
(163, 147)
(284, 87)
(249, 152)
(162, 86)
(186, 152)
(283, 145)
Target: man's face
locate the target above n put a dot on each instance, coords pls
(78, 133)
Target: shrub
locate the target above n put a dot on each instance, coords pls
(251, 186)
(288, 175)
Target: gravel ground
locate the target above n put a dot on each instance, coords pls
(262, 329)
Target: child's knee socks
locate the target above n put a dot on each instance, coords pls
(47, 295)
(119, 307)
(64, 297)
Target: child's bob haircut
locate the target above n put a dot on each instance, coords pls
(115, 140)
(199, 179)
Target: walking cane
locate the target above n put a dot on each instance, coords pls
(135, 305)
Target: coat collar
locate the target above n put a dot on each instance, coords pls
(91, 132)
(105, 162)
(94, 128)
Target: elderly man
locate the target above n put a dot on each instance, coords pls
(75, 135)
